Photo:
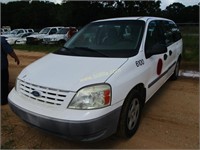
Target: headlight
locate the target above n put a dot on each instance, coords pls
(92, 97)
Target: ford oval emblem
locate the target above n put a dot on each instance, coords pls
(35, 93)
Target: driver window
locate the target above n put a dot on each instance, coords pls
(53, 31)
(154, 36)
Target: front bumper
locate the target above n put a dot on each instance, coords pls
(89, 130)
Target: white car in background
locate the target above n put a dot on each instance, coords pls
(17, 32)
(22, 40)
(38, 38)
(18, 39)
(58, 38)
(4, 31)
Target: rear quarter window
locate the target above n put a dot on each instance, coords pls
(171, 32)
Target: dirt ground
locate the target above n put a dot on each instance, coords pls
(170, 120)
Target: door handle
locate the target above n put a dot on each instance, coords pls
(165, 56)
(170, 53)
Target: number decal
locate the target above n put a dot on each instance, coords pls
(139, 62)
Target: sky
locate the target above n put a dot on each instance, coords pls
(164, 3)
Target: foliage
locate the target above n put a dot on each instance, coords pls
(39, 14)
(181, 14)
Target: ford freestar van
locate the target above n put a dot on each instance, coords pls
(98, 83)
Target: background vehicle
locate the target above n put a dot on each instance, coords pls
(58, 38)
(38, 38)
(17, 32)
(29, 30)
(112, 67)
(18, 39)
(4, 31)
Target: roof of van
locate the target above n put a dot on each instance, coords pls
(145, 18)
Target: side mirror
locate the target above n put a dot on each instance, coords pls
(156, 49)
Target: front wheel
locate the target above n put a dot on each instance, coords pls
(130, 115)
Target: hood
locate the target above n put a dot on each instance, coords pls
(70, 72)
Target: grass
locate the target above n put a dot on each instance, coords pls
(37, 48)
(191, 48)
(190, 36)
(189, 29)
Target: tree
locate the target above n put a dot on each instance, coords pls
(174, 12)
(39, 14)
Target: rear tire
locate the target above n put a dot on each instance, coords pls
(61, 42)
(176, 71)
(130, 115)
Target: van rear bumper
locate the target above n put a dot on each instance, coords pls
(89, 130)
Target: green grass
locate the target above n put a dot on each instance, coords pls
(191, 48)
(189, 29)
(37, 48)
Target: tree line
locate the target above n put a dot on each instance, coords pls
(39, 14)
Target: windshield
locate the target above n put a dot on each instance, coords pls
(20, 35)
(44, 31)
(62, 31)
(14, 31)
(118, 38)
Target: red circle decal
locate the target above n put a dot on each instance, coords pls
(159, 66)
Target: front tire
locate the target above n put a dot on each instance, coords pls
(130, 115)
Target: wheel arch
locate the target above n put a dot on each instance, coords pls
(142, 91)
(139, 88)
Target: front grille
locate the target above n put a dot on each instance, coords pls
(46, 95)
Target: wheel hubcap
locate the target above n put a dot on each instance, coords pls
(133, 114)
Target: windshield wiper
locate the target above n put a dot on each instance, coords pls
(63, 51)
(91, 50)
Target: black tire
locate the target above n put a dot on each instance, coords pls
(130, 115)
(176, 71)
(61, 42)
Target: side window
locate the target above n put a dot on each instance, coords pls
(168, 33)
(176, 32)
(20, 31)
(154, 36)
(53, 31)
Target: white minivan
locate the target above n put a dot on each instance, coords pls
(98, 83)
